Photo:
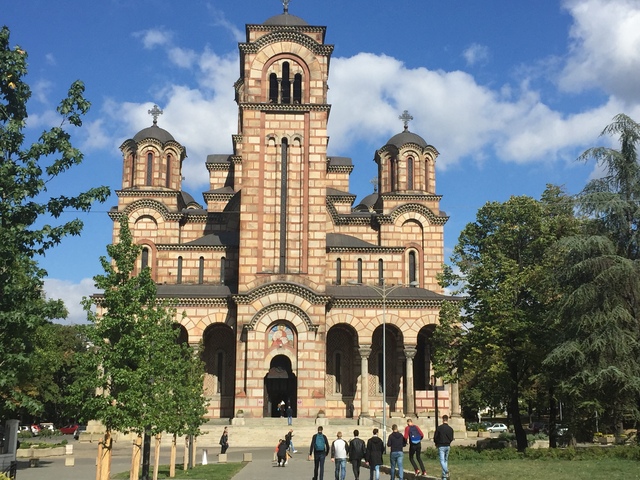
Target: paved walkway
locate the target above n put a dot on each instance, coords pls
(261, 467)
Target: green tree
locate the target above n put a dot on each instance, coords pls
(145, 381)
(499, 337)
(598, 276)
(25, 209)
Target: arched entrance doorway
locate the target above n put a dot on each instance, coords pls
(280, 385)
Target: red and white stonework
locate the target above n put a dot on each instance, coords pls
(280, 280)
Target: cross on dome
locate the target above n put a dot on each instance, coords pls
(155, 112)
(405, 117)
(285, 4)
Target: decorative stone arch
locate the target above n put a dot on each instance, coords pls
(291, 353)
(293, 314)
(274, 67)
(146, 206)
(196, 328)
(148, 247)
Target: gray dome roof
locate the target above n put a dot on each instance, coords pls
(406, 137)
(154, 131)
(285, 19)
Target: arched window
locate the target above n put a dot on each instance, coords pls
(285, 84)
(410, 173)
(223, 264)
(392, 174)
(201, 271)
(359, 270)
(168, 173)
(273, 88)
(412, 267)
(179, 279)
(338, 371)
(145, 258)
(339, 271)
(149, 168)
(380, 272)
(297, 88)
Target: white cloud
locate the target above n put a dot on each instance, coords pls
(476, 53)
(154, 37)
(71, 294)
(605, 48)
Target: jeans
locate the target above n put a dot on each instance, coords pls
(318, 465)
(374, 469)
(291, 447)
(395, 459)
(416, 449)
(341, 468)
(443, 453)
(289, 420)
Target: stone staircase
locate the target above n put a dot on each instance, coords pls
(265, 432)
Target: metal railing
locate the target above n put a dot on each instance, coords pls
(10, 471)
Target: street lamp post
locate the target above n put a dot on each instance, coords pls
(384, 291)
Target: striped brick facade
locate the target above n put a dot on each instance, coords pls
(281, 281)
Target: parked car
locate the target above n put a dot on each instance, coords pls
(498, 428)
(69, 429)
(81, 429)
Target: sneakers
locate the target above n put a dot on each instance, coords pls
(417, 472)
(424, 473)
(295, 451)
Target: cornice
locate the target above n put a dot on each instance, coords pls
(296, 34)
(286, 107)
(279, 307)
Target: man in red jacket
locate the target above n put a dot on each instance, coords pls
(413, 435)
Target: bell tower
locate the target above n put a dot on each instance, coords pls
(282, 140)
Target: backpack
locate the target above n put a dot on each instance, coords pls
(414, 434)
(320, 445)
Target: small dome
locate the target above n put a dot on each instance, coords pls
(406, 137)
(286, 20)
(154, 131)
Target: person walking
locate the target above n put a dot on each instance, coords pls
(443, 438)
(289, 439)
(289, 415)
(413, 435)
(318, 450)
(357, 451)
(339, 452)
(373, 455)
(224, 441)
(396, 443)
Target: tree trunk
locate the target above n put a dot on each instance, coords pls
(156, 456)
(521, 435)
(104, 457)
(172, 460)
(553, 412)
(185, 464)
(134, 472)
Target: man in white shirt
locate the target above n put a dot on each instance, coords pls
(339, 452)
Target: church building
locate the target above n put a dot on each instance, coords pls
(290, 290)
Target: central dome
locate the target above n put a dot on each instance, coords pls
(154, 131)
(285, 19)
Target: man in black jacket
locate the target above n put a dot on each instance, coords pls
(373, 456)
(443, 438)
(357, 450)
(318, 449)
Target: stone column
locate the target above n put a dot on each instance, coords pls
(454, 398)
(410, 353)
(364, 380)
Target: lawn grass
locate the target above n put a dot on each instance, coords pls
(525, 469)
(217, 471)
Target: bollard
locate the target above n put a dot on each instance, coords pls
(247, 457)
(69, 461)
(222, 458)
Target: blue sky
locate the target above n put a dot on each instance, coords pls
(509, 92)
